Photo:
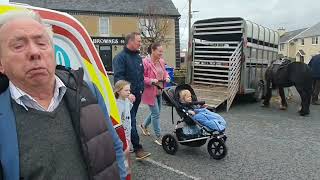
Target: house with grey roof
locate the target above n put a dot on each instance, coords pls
(302, 44)
(108, 21)
(287, 42)
(308, 43)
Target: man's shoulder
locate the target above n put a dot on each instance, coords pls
(4, 95)
(317, 56)
(122, 53)
(62, 72)
(314, 61)
(4, 83)
(121, 57)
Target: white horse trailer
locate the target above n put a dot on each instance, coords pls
(229, 57)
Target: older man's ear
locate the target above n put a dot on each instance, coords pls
(1, 68)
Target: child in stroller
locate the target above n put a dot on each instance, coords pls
(200, 113)
(197, 124)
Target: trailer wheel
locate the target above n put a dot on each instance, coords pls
(259, 94)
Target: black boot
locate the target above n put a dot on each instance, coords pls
(304, 113)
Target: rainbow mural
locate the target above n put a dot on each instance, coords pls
(74, 48)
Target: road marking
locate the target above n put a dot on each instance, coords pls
(171, 169)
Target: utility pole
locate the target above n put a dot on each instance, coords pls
(189, 57)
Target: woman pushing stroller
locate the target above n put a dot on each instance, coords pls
(155, 76)
(200, 113)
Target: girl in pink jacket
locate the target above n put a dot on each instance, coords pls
(154, 71)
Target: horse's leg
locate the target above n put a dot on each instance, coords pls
(284, 103)
(266, 101)
(290, 93)
(305, 96)
(308, 94)
(300, 91)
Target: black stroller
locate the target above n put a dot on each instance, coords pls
(193, 134)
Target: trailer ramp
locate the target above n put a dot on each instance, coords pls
(214, 96)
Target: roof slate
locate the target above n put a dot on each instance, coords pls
(312, 31)
(290, 35)
(135, 7)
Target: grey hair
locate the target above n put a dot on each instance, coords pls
(7, 17)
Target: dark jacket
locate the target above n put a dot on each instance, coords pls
(127, 65)
(314, 64)
(95, 134)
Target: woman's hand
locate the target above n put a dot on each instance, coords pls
(155, 81)
(167, 79)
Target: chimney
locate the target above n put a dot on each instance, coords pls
(281, 31)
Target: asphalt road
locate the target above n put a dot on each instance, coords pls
(263, 143)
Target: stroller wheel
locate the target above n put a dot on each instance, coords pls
(170, 144)
(217, 148)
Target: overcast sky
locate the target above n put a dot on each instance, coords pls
(290, 14)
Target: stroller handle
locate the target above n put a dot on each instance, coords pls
(162, 81)
(159, 87)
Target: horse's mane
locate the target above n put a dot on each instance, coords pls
(283, 61)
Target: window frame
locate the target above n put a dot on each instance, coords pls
(315, 40)
(107, 32)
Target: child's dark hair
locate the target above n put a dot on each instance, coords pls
(119, 86)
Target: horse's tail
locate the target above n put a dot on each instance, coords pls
(300, 73)
(309, 77)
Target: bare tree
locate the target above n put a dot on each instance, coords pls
(153, 27)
